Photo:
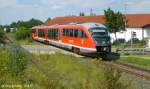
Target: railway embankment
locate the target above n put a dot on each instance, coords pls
(71, 71)
(22, 69)
(53, 50)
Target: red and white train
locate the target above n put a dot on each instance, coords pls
(85, 38)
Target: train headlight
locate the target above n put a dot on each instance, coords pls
(103, 42)
(108, 42)
(105, 49)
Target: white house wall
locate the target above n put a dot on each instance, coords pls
(138, 32)
(120, 35)
(127, 34)
(147, 35)
(147, 32)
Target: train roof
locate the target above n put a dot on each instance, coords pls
(88, 25)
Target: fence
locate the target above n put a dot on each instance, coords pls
(127, 51)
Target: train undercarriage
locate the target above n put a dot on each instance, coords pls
(103, 52)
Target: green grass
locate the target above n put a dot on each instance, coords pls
(59, 71)
(140, 60)
(65, 71)
(146, 56)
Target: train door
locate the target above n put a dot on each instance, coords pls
(54, 34)
(83, 38)
(34, 33)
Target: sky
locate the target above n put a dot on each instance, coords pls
(14, 10)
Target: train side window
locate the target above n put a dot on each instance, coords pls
(33, 30)
(52, 33)
(82, 34)
(76, 33)
(64, 32)
(41, 33)
(71, 32)
(49, 33)
(55, 33)
(67, 32)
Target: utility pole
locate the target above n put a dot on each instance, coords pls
(125, 7)
(125, 14)
(91, 12)
(131, 39)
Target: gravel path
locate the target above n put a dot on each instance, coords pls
(45, 49)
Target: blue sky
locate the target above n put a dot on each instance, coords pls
(14, 10)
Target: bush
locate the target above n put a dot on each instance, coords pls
(113, 76)
(2, 38)
(142, 42)
(134, 40)
(16, 60)
(22, 33)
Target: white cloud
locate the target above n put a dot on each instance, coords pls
(6, 3)
(138, 6)
(13, 10)
(56, 7)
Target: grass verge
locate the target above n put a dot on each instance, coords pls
(27, 41)
(140, 60)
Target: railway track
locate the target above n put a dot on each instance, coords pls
(132, 69)
(8, 39)
(143, 73)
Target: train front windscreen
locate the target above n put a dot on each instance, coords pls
(100, 36)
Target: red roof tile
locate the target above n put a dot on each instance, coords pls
(134, 20)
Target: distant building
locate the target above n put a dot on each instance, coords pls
(139, 24)
(5, 29)
(10, 29)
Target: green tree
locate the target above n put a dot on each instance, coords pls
(27, 24)
(13, 25)
(22, 33)
(115, 22)
(81, 14)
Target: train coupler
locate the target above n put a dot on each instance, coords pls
(109, 56)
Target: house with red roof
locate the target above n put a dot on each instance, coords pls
(137, 24)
